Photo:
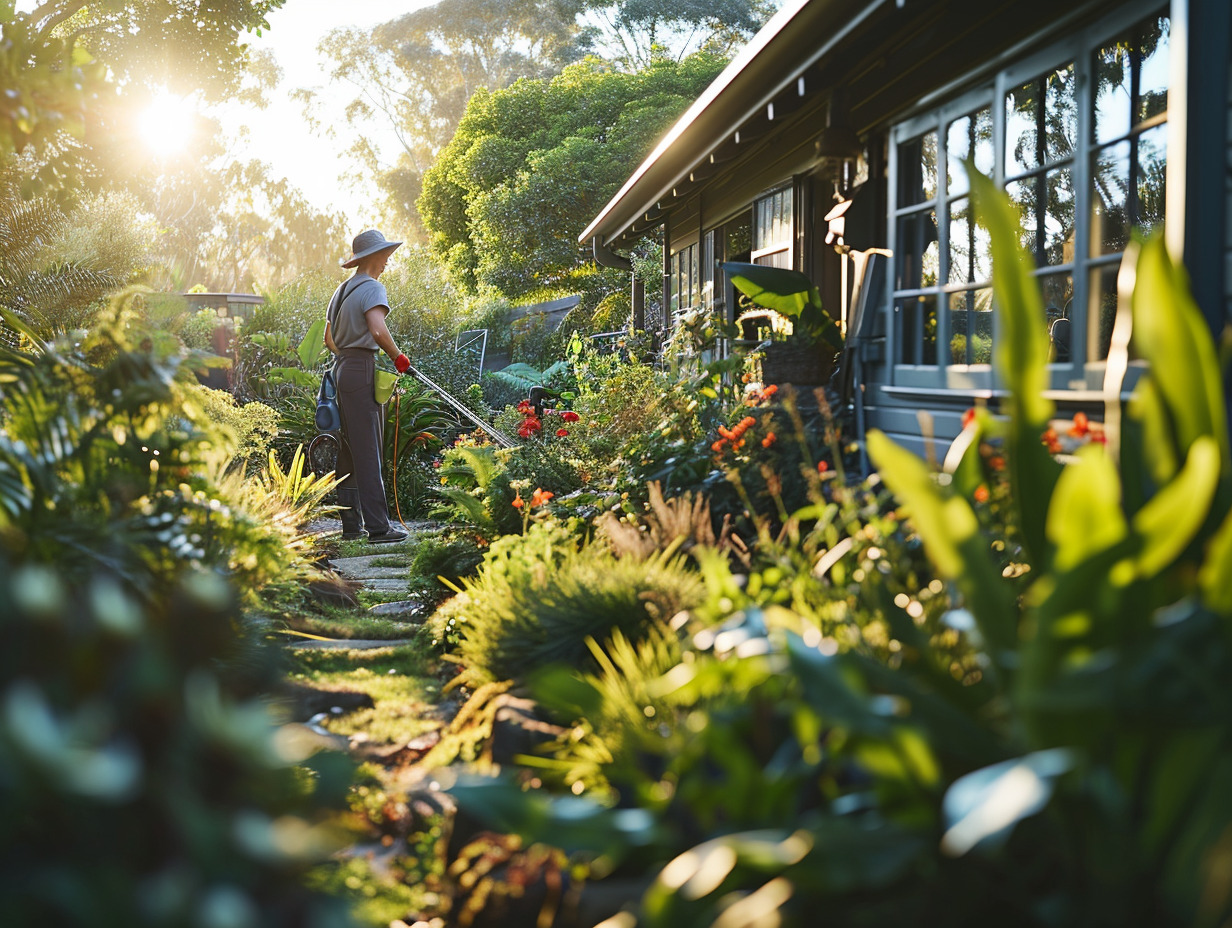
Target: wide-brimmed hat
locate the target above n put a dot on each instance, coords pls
(368, 243)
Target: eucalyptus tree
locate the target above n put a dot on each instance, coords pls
(415, 74)
(632, 33)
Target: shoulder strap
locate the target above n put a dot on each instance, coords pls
(336, 303)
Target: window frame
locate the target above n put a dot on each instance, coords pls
(1078, 48)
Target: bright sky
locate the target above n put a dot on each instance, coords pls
(280, 135)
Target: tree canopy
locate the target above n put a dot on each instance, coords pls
(65, 58)
(529, 165)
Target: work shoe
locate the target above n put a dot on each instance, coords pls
(354, 536)
(390, 537)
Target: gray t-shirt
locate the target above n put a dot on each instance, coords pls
(350, 326)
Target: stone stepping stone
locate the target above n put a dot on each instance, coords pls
(351, 566)
(384, 585)
(347, 644)
(407, 609)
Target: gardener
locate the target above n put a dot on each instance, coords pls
(354, 331)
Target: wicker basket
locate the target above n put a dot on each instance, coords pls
(797, 363)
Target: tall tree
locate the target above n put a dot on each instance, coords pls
(507, 197)
(632, 33)
(415, 74)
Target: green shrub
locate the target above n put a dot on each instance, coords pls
(537, 598)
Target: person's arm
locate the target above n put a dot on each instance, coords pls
(380, 332)
(329, 339)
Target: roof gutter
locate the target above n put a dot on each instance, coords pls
(605, 257)
(799, 35)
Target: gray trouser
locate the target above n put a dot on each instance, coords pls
(363, 428)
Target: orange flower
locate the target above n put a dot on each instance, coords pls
(996, 462)
(981, 494)
(726, 432)
(717, 447)
(1081, 425)
(822, 467)
(1050, 439)
(768, 440)
(769, 391)
(518, 502)
(539, 497)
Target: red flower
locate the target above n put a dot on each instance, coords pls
(822, 467)
(561, 433)
(518, 502)
(570, 417)
(968, 418)
(525, 408)
(996, 462)
(1050, 439)
(981, 494)
(1081, 425)
(539, 497)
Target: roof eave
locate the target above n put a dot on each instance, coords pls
(762, 69)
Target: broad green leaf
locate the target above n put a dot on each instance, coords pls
(1215, 578)
(310, 348)
(910, 480)
(1022, 345)
(1159, 451)
(1021, 361)
(953, 542)
(1171, 333)
(783, 290)
(1085, 515)
(1171, 519)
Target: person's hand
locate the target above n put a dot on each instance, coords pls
(402, 362)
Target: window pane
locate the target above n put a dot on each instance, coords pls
(1152, 162)
(1101, 313)
(968, 138)
(1109, 200)
(970, 256)
(1021, 129)
(1113, 90)
(919, 328)
(1047, 205)
(674, 293)
(918, 251)
(1153, 71)
(1060, 114)
(1058, 293)
(970, 327)
(917, 170)
(738, 237)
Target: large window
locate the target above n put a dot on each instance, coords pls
(1076, 136)
(772, 229)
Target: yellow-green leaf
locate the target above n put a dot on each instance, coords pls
(1171, 519)
(1085, 515)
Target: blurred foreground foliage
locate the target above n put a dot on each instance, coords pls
(143, 781)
